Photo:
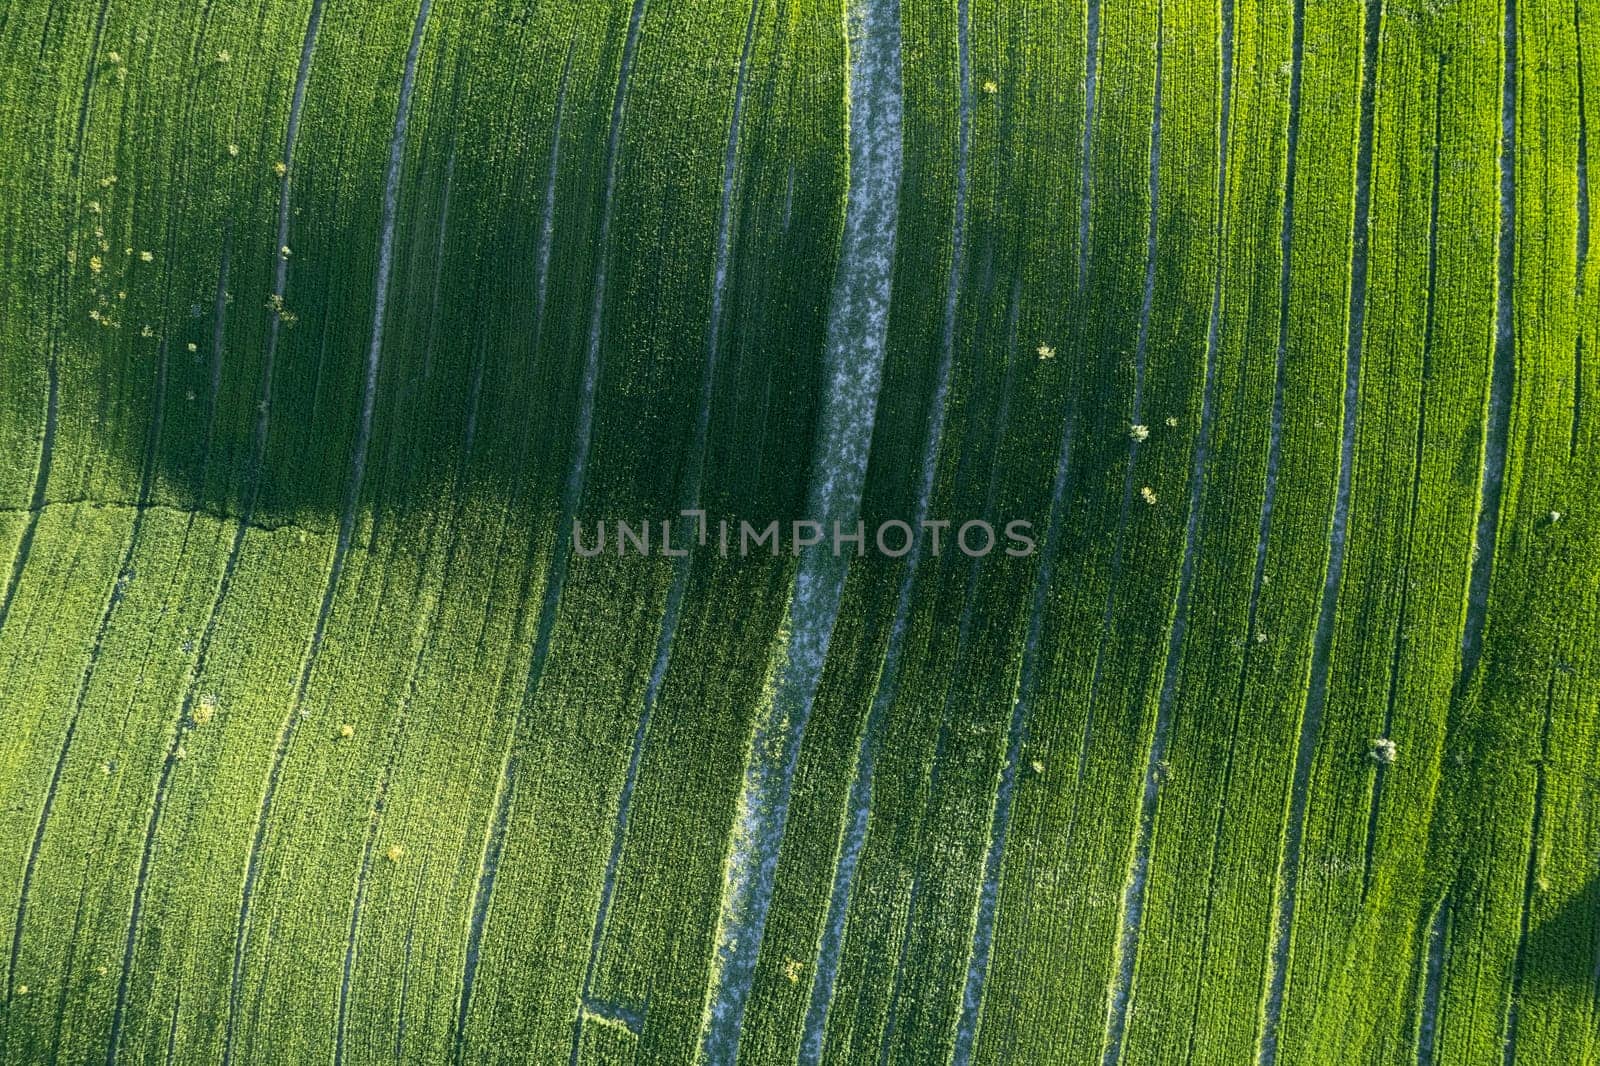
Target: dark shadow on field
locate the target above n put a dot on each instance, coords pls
(1563, 949)
(499, 291)
(494, 303)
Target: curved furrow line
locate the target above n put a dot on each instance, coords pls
(547, 221)
(80, 697)
(438, 254)
(541, 276)
(280, 279)
(1118, 995)
(172, 1030)
(358, 462)
(1503, 370)
(1141, 348)
(1086, 176)
(1583, 232)
(857, 330)
(347, 971)
(41, 480)
(1433, 983)
(1016, 733)
(124, 575)
(488, 868)
(219, 323)
(90, 862)
(247, 508)
(966, 1020)
(689, 499)
(24, 549)
(1322, 640)
(1270, 489)
(853, 830)
(88, 90)
(1530, 880)
(425, 648)
(1005, 791)
(1297, 54)
(438, 245)
(1381, 769)
(405, 966)
(404, 403)
(172, 251)
(150, 654)
(963, 632)
(334, 206)
(556, 574)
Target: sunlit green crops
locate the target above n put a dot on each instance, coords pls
(317, 743)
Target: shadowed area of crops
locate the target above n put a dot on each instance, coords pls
(321, 321)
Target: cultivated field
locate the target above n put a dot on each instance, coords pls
(323, 321)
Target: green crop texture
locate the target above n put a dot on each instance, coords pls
(324, 738)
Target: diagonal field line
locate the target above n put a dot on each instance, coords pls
(689, 501)
(978, 958)
(555, 579)
(858, 320)
(1321, 652)
(854, 830)
(253, 476)
(358, 460)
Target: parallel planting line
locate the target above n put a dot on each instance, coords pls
(405, 398)
(119, 588)
(1530, 881)
(1005, 792)
(1381, 770)
(425, 647)
(219, 321)
(1269, 496)
(1317, 691)
(540, 287)
(87, 95)
(1141, 348)
(19, 561)
(247, 508)
(1502, 375)
(172, 1030)
(547, 221)
(150, 654)
(405, 965)
(358, 461)
(1583, 232)
(438, 258)
(689, 499)
(1016, 733)
(948, 705)
(858, 319)
(854, 828)
(494, 841)
(1086, 178)
(102, 627)
(555, 578)
(280, 276)
(1432, 983)
(1127, 947)
(41, 481)
(1269, 492)
(788, 199)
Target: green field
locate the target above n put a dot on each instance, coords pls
(322, 323)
